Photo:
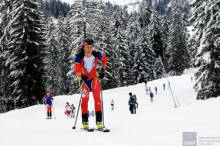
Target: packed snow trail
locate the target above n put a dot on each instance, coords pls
(155, 124)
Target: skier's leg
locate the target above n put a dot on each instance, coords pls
(84, 108)
(134, 109)
(49, 111)
(96, 89)
(131, 108)
(84, 104)
(48, 114)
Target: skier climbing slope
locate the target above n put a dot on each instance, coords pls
(86, 63)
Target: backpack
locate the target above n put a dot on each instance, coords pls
(131, 99)
(135, 98)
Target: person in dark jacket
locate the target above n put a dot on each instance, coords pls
(151, 96)
(131, 103)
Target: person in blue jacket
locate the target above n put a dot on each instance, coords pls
(151, 96)
(164, 86)
(131, 103)
(48, 102)
(156, 90)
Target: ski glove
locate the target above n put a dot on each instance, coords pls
(101, 73)
(84, 77)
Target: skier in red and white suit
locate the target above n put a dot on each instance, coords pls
(86, 62)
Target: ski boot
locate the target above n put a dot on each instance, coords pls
(86, 125)
(48, 115)
(99, 125)
(99, 120)
(85, 121)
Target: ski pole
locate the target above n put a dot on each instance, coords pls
(45, 107)
(102, 106)
(177, 101)
(53, 111)
(74, 127)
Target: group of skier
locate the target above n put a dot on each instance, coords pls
(48, 102)
(69, 110)
(150, 92)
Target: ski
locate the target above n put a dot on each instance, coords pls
(103, 130)
(88, 130)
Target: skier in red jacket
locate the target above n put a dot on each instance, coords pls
(85, 66)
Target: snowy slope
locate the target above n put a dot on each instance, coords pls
(155, 124)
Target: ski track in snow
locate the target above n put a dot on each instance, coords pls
(155, 124)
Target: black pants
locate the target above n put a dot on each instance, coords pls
(84, 117)
(151, 99)
(49, 114)
(98, 117)
(131, 108)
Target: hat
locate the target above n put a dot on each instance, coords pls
(48, 91)
(88, 41)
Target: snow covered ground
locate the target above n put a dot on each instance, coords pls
(155, 124)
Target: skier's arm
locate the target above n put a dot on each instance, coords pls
(77, 67)
(104, 60)
(104, 66)
(44, 100)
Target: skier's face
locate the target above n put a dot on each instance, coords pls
(48, 94)
(88, 49)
